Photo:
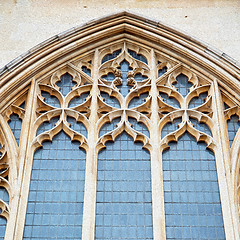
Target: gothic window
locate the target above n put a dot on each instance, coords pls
(122, 137)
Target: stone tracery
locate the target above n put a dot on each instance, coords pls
(130, 87)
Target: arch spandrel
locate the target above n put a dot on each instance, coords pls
(159, 58)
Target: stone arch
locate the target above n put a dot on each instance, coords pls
(178, 52)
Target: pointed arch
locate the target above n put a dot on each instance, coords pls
(156, 52)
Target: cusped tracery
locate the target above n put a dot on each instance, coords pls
(63, 103)
(5, 189)
(112, 102)
(124, 86)
(186, 98)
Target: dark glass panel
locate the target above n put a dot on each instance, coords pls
(55, 202)
(139, 57)
(3, 223)
(233, 126)
(78, 100)
(22, 105)
(124, 208)
(45, 126)
(182, 84)
(191, 192)
(170, 127)
(15, 123)
(139, 77)
(111, 56)
(112, 101)
(197, 101)
(124, 88)
(138, 126)
(170, 100)
(86, 70)
(77, 126)
(108, 127)
(225, 106)
(162, 71)
(109, 77)
(65, 84)
(136, 101)
(201, 126)
(51, 100)
(4, 195)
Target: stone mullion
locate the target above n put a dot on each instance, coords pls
(12, 176)
(156, 160)
(222, 156)
(89, 210)
(25, 164)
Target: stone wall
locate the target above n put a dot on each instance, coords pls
(26, 23)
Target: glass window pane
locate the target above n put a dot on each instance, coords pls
(15, 124)
(124, 204)
(3, 223)
(233, 125)
(55, 203)
(192, 202)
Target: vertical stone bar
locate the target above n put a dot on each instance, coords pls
(156, 161)
(222, 154)
(23, 181)
(89, 209)
(12, 154)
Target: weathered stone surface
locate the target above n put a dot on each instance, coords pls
(26, 23)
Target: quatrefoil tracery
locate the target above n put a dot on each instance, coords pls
(72, 99)
(195, 104)
(4, 182)
(183, 95)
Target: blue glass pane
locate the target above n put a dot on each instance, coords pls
(197, 101)
(65, 84)
(108, 127)
(233, 126)
(182, 84)
(191, 193)
(112, 101)
(22, 105)
(77, 126)
(3, 223)
(225, 106)
(109, 77)
(139, 57)
(86, 70)
(55, 202)
(51, 100)
(170, 127)
(111, 56)
(139, 77)
(124, 88)
(170, 100)
(201, 126)
(138, 126)
(15, 123)
(45, 126)
(78, 100)
(136, 101)
(124, 208)
(4, 195)
(162, 71)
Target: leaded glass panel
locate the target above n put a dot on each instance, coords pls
(66, 84)
(191, 193)
(182, 84)
(233, 126)
(15, 123)
(124, 209)
(55, 203)
(3, 223)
